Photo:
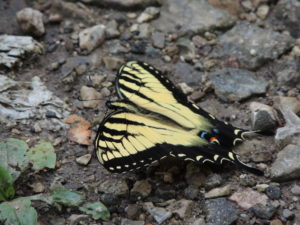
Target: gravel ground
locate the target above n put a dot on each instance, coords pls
(238, 60)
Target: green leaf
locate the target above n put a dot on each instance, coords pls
(42, 155)
(6, 184)
(12, 156)
(96, 209)
(18, 212)
(65, 197)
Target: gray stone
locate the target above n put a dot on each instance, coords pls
(31, 21)
(196, 16)
(297, 217)
(72, 63)
(6, 83)
(141, 188)
(92, 37)
(124, 4)
(264, 211)
(149, 14)
(220, 212)
(263, 117)
(193, 175)
(296, 190)
(159, 214)
(286, 14)
(247, 180)
(213, 180)
(165, 192)
(111, 30)
(109, 199)
(286, 166)
(34, 102)
(287, 72)
(131, 222)
(191, 192)
(251, 45)
(273, 192)
(132, 211)
(187, 73)
(158, 39)
(112, 63)
(187, 48)
(288, 214)
(117, 187)
(199, 221)
(145, 30)
(12, 48)
(288, 107)
(235, 84)
(73, 10)
(182, 208)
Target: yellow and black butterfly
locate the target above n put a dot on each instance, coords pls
(153, 120)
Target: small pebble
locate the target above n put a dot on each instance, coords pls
(273, 192)
(295, 190)
(84, 160)
(288, 214)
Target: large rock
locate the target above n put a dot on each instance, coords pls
(191, 17)
(234, 84)
(13, 48)
(287, 14)
(251, 45)
(287, 166)
(31, 21)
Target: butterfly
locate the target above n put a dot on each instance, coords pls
(153, 119)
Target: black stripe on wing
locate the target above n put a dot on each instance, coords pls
(132, 72)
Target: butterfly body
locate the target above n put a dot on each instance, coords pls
(153, 120)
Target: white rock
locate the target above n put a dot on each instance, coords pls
(6, 83)
(263, 11)
(149, 14)
(248, 198)
(12, 48)
(219, 192)
(91, 98)
(186, 89)
(31, 21)
(84, 160)
(91, 38)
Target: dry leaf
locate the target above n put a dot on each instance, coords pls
(80, 131)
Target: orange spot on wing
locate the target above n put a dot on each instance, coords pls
(213, 139)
